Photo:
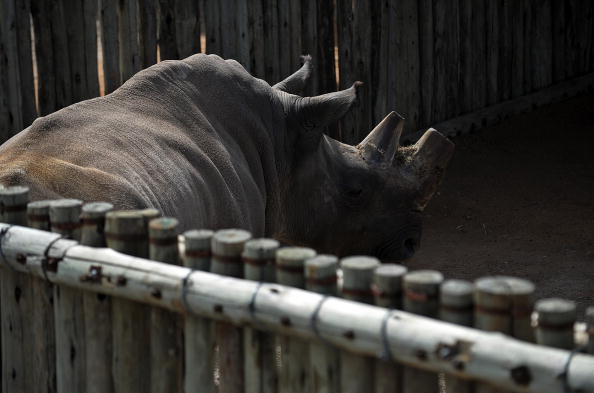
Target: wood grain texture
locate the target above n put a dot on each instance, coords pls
(517, 63)
(27, 87)
(11, 52)
(272, 48)
(130, 62)
(426, 60)
(90, 13)
(256, 39)
(187, 28)
(147, 20)
(75, 34)
(110, 44)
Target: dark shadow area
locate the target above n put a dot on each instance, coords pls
(518, 199)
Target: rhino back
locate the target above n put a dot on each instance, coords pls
(192, 138)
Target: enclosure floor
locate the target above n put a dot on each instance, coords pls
(518, 199)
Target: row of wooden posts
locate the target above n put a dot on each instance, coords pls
(60, 338)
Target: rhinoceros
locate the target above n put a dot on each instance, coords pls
(202, 140)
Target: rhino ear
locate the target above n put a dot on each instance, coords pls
(321, 111)
(296, 82)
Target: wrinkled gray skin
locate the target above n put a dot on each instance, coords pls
(202, 140)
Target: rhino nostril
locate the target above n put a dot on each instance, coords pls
(410, 246)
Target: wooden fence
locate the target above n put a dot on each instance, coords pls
(75, 318)
(459, 64)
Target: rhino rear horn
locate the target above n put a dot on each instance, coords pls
(296, 82)
(432, 154)
(326, 109)
(381, 144)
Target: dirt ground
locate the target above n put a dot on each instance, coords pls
(518, 199)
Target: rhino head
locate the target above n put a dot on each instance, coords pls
(346, 200)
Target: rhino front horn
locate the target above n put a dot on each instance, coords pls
(432, 154)
(381, 144)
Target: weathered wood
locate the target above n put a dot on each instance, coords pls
(528, 43)
(147, 20)
(199, 344)
(493, 12)
(90, 13)
(494, 114)
(130, 62)
(457, 307)
(290, 270)
(75, 34)
(68, 307)
(166, 335)
(517, 67)
(5, 120)
(321, 277)
(227, 246)
(387, 286)
(187, 28)
(466, 74)
(590, 328)
(310, 43)
(556, 319)
(38, 215)
(243, 40)
(356, 372)
(505, 50)
(479, 56)
(126, 231)
(97, 307)
(421, 296)
(110, 44)
(558, 23)
(362, 56)
(167, 30)
(256, 39)
(541, 44)
(213, 26)
(273, 301)
(25, 61)
(259, 347)
(228, 23)
(426, 61)
(16, 302)
(284, 37)
(326, 59)
(272, 49)
(346, 68)
(10, 37)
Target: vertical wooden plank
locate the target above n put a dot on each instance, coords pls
(75, 33)
(128, 36)
(492, 20)
(310, 43)
(421, 296)
(387, 285)
(90, 11)
(555, 326)
(5, 120)
(257, 40)
(346, 67)
(327, 41)
(407, 60)
(559, 24)
(97, 307)
(517, 67)
(212, 22)
(362, 56)
(147, 16)
(293, 374)
(284, 37)
(272, 50)
(126, 232)
(68, 307)
(295, 36)
(382, 64)
(227, 245)
(10, 43)
(259, 347)
(541, 48)
(320, 276)
(426, 58)
(466, 74)
(356, 371)
(440, 47)
(479, 55)
(585, 33)
(199, 344)
(167, 30)
(187, 28)
(110, 44)
(528, 43)
(228, 28)
(457, 307)
(23, 20)
(243, 34)
(166, 335)
(505, 50)
(15, 297)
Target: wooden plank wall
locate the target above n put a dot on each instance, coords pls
(430, 60)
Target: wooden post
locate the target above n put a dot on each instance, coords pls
(293, 373)
(387, 285)
(126, 232)
(556, 318)
(260, 349)
(503, 304)
(130, 62)
(421, 296)
(166, 351)
(199, 344)
(320, 277)
(69, 314)
(356, 371)
(38, 215)
(457, 307)
(97, 307)
(227, 245)
(167, 41)
(590, 329)
(147, 20)
(16, 355)
(110, 44)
